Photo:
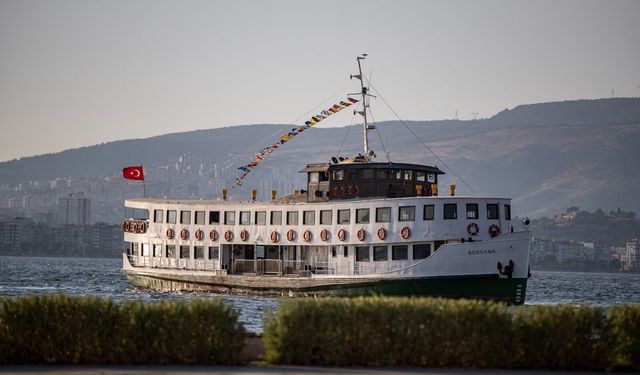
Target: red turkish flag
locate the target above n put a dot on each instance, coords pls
(134, 172)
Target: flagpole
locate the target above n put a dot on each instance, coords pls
(144, 183)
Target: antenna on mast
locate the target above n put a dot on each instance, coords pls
(364, 91)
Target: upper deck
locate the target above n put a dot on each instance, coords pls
(360, 178)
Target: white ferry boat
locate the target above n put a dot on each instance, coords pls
(359, 227)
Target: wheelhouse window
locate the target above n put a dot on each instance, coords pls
(199, 218)
(407, 213)
(382, 174)
(344, 216)
(261, 217)
(421, 251)
(408, 175)
(399, 252)
(245, 217)
(397, 173)
(362, 215)
(184, 252)
(431, 177)
(367, 174)
(507, 212)
(185, 217)
(362, 254)
(158, 216)
(421, 176)
(276, 217)
(172, 215)
(338, 175)
(309, 218)
(314, 176)
(325, 217)
(428, 212)
(472, 211)
(450, 211)
(492, 211)
(214, 252)
(198, 252)
(229, 217)
(383, 214)
(380, 253)
(214, 217)
(292, 217)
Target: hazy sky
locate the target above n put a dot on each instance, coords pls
(76, 73)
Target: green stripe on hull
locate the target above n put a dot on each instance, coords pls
(511, 290)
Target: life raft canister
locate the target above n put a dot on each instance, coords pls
(342, 234)
(170, 233)
(361, 234)
(382, 233)
(275, 236)
(228, 235)
(291, 235)
(324, 235)
(306, 236)
(213, 235)
(184, 234)
(405, 233)
(473, 229)
(494, 230)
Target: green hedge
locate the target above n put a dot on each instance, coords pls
(58, 329)
(451, 333)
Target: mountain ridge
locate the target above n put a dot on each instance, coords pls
(546, 156)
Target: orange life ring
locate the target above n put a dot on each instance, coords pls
(342, 234)
(494, 230)
(228, 235)
(361, 234)
(324, 235)
(291, 235)
(275, 236)
(473, 229)
(244, 235)
(170, 233)
(405, 233)
(184, 234)
(199, 234)
(213, 235)
(382, 233)
(306, 236)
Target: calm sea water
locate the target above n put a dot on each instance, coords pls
(21, 276)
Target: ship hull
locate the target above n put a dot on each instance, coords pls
(486, 287)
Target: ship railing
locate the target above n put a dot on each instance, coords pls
(245, 266)
(334, 268)
(291, 267)
(269, 266)
(188, 264)
(368, 268)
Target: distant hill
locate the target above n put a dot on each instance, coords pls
(545, 156)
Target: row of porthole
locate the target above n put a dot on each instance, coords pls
(473, 229)
(307, 235)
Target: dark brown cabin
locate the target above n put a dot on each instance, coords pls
(356, 179)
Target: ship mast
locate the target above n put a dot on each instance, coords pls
(364, 92)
